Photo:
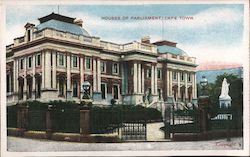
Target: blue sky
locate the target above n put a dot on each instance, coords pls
(214, 34)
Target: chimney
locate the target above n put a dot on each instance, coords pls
(78, 22)
(146, 40)
(29, 25)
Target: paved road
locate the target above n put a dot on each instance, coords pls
(33, 145)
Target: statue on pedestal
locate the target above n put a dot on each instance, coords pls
(225, 90)
(225, 99)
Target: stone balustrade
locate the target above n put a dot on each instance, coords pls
(93, 41)
(184, 59)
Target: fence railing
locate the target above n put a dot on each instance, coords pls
(200, 121)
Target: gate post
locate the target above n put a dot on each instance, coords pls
(84, 121)
(203, 120)
(49, 122)
(22, 118)
(167, 121)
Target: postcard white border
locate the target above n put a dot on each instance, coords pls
(245, 150)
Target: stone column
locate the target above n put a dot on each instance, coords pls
(152, 79)
(167, 79)
(142, 79)
(186, 85)
(14, 76)
(98, 75)
(43, 69)
(34, 79)
(179, 84)
(135, 77)
(94, 76)
(139, 78)
(195, 86)
(68, 75)
(54, 70)
(155, 77)
(47, 70)
(81, 73)
(170, 83)
(25, 79)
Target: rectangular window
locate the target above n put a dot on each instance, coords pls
(29, 92)
(103, 89)
(51, 59)
(21, 63)
(38, 59)
(174, 75)
(28, 34)
(159, 93)
(103, 67)
(75, 88)
(87, 63)
(148, 73)
(115, 88)
(115, 68)
(182, 76)
(61, 87)
(38, 87)
(189, 77)
(7, 83)
(74, 61)
(159, 73)
(29, 62)
(61, 59)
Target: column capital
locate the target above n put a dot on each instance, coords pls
(67, 53)
(153, 64)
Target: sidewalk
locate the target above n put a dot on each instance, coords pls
(33, 145)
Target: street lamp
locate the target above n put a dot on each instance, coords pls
(203, 84)
(86, 87)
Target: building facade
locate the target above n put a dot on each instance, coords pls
(53, 59)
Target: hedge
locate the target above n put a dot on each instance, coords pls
(12, 116)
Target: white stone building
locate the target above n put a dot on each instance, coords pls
(53, 59)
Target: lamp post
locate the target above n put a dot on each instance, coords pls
(204, 104)
(85, 111)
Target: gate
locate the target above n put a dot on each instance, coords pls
(125, 123)
(182, 121)
(134, 125)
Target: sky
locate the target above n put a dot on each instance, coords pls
(210, 32)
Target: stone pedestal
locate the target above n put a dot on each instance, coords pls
(225, 102)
